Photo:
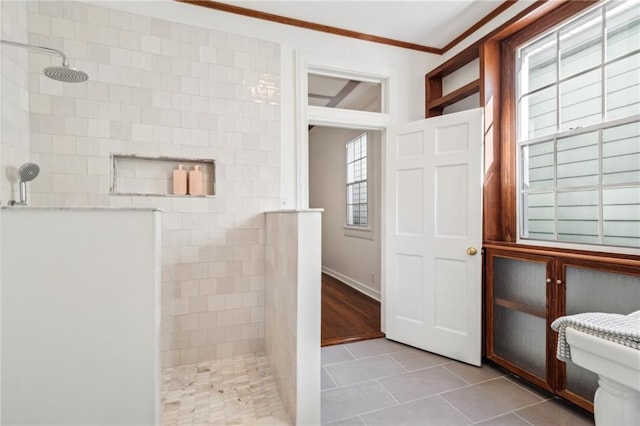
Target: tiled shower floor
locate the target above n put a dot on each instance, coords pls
(237, 391)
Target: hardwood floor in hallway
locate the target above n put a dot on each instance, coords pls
(347, 314)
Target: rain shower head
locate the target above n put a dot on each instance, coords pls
(62, 73)
(66, 74)
(28, 172)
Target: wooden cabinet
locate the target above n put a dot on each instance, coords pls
(519, 312)
(528, 288)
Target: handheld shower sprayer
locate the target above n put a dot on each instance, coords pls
(27, 172)
(63, 73)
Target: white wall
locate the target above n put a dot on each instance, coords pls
(292, 311)
(213, 274)
(80, 320)
(173, 79)
(14, 108)
(409, 66)
(159, 88)
(352, 259)
(14, 122)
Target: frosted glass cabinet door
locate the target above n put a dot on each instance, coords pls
(589, 290)
(519, 305)
(521, 339)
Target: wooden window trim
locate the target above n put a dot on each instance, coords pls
(624, 263)
(497, 95)
(435, 102)
(500, 231)
(496, 52)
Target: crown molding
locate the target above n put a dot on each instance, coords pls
(225, 7)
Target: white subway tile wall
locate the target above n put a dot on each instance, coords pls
(282, 270)
(14, 94)
(159, 88)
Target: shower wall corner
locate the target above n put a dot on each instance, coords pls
(292, 310)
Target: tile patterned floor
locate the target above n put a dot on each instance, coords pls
(380, 382)
(375, 382)
(237, 391)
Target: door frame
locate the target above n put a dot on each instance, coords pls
(307, 115)
(336, 117)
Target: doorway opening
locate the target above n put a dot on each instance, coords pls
(345, 180)
(341, 96)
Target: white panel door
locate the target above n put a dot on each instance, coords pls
(433, 206)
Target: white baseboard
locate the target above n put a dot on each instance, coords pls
(362, 288)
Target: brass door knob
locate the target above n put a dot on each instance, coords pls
(471, 251)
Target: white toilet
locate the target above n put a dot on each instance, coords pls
(617, 400)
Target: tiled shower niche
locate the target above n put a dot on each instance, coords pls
(153, 176)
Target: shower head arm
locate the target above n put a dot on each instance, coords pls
(65, 60)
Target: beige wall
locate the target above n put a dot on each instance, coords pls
(349, 256)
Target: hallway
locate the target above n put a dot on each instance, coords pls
(347, 314)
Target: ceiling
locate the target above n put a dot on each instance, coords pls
(432, 23)
(336, 92)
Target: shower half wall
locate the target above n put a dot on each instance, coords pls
(292, 310)
(80, 316)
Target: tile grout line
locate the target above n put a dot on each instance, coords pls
(338, 362)
(398, 403)
(519, 416)
(406, 370)
(405, 349)
(426, 368)
(390, 394)
(331, 377)
(372, 378)
(514, 411)
(503, 377)
(526, 389)
(348, 351)
(467, 385)
(437, 394)
(457, 375)
(382, 353)
(455, 408)
(481, 381)
(390, 354)
(372, 411)
(502, 414)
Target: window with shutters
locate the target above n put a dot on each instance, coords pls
(357, 191)
(578, 130)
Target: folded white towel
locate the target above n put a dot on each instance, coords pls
(622, 329)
